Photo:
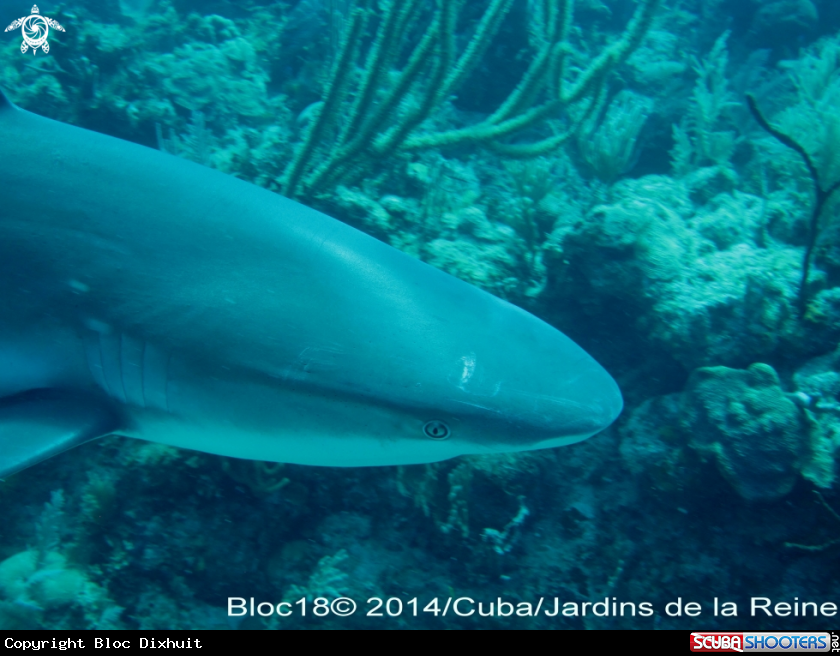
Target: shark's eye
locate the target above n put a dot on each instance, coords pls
(436, 429)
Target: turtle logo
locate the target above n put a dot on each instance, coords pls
(35, 29)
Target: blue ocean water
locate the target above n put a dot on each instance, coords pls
(657, 179)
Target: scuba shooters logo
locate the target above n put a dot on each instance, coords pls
(35, 29)
(763, 641)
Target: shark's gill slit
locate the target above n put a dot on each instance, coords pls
(143, 374)
(94, 359)
(120, 366)
(155, 378)
(131, 363)
(109, 353)
(166, 381)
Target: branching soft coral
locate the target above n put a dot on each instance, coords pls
(816, 123)
(370, 110)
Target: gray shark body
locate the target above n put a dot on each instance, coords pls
(147, 296)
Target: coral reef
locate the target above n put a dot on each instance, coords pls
(743, 420)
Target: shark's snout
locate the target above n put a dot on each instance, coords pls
(538, 390)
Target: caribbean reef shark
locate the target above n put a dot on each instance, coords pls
(147, 296)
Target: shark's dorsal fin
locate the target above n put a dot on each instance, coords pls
(5, 103)
(38, 424)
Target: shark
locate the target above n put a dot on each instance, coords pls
(147, 296)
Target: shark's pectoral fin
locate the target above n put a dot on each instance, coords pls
(38, 424)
